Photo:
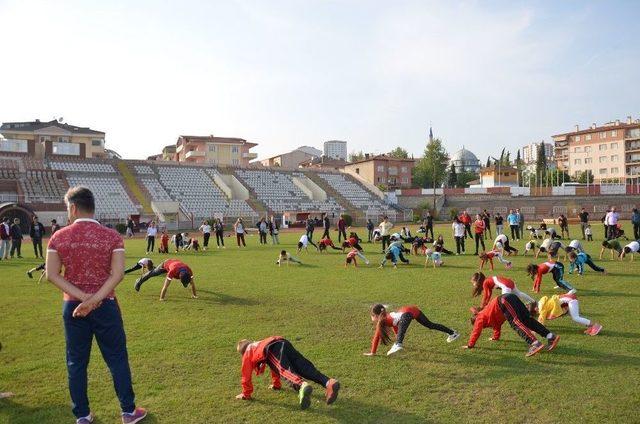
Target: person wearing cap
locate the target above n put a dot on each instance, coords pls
(175, 269)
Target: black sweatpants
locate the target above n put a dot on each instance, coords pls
(288, 363)
(325, 234)
(385, 242)
(429, 229)
(133, 268)
(37, 247)
(16, 245)
(159, 270)
(459, 245)
(507, 247)
(151, 243)
(515, 231)
(342, 233)
(467, 231)
(520, 319)
(405, 320)
(205, 238)
(479, 240)
(636, 231)
(263, 238)
(219, 238)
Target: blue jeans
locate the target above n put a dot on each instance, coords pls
(105, 323)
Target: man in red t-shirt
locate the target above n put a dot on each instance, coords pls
(174, 269)
(93, 260)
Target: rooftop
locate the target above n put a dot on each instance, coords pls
(30, 126)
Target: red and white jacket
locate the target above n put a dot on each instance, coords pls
(543, 268)
(503, 283)
(254, 358)
(391, 320)
(490, 316)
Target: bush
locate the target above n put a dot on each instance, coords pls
(348, 220)
(453, 213)
(121, 228)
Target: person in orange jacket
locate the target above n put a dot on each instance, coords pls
(285, 362)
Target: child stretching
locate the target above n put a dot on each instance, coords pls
(352, 254)
(305, 242)
(393, 254)
(530, 247)
(286, 362)
(325, 243)
(579, 260)
(286, 257)
(435, 257)
(613, 245)
(145, 264)
(502, 243)
(174, 269)
(484, 285)
(41, 267)
(630, 249)
(507, 307)
(556, 306)
(557, 271)
(352, 242)
(488, 257)
(164, 242)
(399, 322)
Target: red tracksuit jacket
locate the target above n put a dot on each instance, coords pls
(391, 320)
(255, 359)
(503, 283)
(490, 316)
(542, 269)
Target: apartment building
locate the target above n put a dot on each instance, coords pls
(224, 151)
(382, 170)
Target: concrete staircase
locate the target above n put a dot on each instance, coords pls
(133, 189)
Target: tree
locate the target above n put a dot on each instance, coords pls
(585, 177)
(431, 170)
(541, 162)
(399, 153)
(519, 167)
(356, 156)
(453, 176)
(464, 178)
(507, 159)
(488, 161)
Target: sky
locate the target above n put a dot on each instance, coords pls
(286, 73)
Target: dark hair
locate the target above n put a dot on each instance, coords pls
(381, 327)
(627, 249)
(349, 258)
(283, 252)
(389, 256)
(568, 249)
(185, 278)
(532, 269)
(299, 244)
(483, 256)
(572, 255)
(605, 243)
(82, 198)
(477, 278)
(150, 264)
(53, 221)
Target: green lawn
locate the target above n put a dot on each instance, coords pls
(186, 370)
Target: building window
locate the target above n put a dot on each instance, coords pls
(234, 149)
(603, 135)
(614, 133)
(577, 150)
(603, 171)
(614, 158)
(587, 137)
(212, 147)
(379, 179)
(405, 180)
(602, 147)
(614, 145)
(588, 160)
(380, 168)
(63, 140)
(235, 162)
(587, 149)
(358, 171)
(602, 159)
(403, 169)
(576, 138)
(577, 162)
(96, 143)
(614, 170)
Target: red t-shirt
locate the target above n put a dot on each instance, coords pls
(174, 266)
(85, 249)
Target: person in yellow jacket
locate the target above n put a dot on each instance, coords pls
(557, 306)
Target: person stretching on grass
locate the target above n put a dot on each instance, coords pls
(174, 269)
(434, 256)
(394, 254)
(399, 321)
(304, 242)
(579, 260)
(488, 257)
(556, 306)
(356, 252)
(351, 257)
(613, 245)
(286, 257)
(485, 285)
(502, 243)
(630, 249)
(41, 267)
(285, 362)
(507, 307)
(145, 264)
(557, 271)
(352, 242)
(551, 248)
(326, 243)
(530, 247)
(574, 246)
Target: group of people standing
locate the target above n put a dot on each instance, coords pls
(11, 236)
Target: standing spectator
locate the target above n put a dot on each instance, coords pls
(36, 232)
(584, 221)
(342, 228)
(218, 228)
(465, 218)
(459, 234)
(5, 236)
(129, 227)
(93, 260)
(520, 223)
(563, 222)
(487, 224)
(326, 225)
(16, 238)
(611, 222)
(635, 220)
(238, 227)
(385, 232)
(274, 230)
(370, 228)
(152, 232)
(499, 224)
(54, 226)
(512, 219)
(428, 224)
(478, 227)
(206, 234)
(263, 228)
(310, 226)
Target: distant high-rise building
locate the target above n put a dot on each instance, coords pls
(530, 153)
(335, 149)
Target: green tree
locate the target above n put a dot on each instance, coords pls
(507, 159)
(431, 170)
(399, 153)
(585, 177)
(519, 167)
(488, 162)
(541, 162)
(464, 178)
(453, 176)
(356, 156)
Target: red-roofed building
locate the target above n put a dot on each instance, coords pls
(224, 151)
(383, 170)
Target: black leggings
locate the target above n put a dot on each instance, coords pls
(507, 247)
(205, 241)
(342, 233)
(16, 245)
(428, 230)
(37, 247)
(520, 319)
(385, 242)
(405, 320)
(325, 234)
(219, 238)
(460, 244)
(288, 363)
(263, 238)
(479, 240)
(159, 270)
(151, 243)
(133, 268)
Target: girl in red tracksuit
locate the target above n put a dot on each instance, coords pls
(399, 321)
(325, 243)
(557, 271)
(285, 361)
(508, 307)
(488, 257)
(484, 285)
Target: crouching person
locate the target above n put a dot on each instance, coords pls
(285, 362)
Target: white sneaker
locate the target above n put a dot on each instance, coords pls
(453, 337)
(367, 262)
(572, 291)
(395, 348)
(556, 287)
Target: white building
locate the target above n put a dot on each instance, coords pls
(335, 149)
(530, 153)
(465, 161)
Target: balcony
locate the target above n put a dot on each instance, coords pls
(249, 156)
(193, 154)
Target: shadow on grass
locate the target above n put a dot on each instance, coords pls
(13, 412)
(225, 299)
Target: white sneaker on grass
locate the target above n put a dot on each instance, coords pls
(453, 337)
(395, 348)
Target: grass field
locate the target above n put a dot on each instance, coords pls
(186, 370)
